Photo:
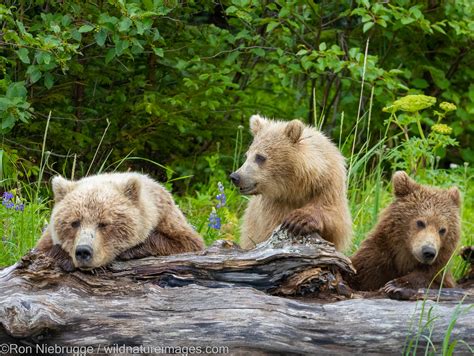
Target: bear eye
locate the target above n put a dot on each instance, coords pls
(420, 224)
(102, 225)
(75, 224)
(442, 231)
(259, 159)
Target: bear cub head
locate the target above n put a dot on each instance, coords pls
(272, 159)
(426, 220)
(94, 223)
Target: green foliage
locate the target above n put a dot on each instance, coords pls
(176, 80)
(208, 201)
(13, 106)
(21, 223)
(422, 150)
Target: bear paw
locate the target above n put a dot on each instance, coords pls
(61, 258)
(399, 289)
(67, 266)
(301, 222)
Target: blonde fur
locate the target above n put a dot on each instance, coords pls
(304, 176)
(125, 215)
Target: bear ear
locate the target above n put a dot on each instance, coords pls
(257, 122)
(132, 189)
(455, 196)
(61, 186)
(294, 130)
(402, 184)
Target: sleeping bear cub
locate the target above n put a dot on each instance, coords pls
(115, 215)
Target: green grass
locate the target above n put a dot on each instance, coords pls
(20, 229)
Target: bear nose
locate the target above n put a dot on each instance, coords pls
(235, 178)
(428, 253)
(83, 253)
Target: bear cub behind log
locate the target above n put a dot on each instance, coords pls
(412, 241)
(114, 215)
(297, 178)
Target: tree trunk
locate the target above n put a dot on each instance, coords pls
(224, 298)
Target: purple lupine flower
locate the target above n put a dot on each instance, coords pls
(220, 186)
(20, 207)
(222, 200)
(221, 196)
(7, 196)
(8, 204)
(214, 220)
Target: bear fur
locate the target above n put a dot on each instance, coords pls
(114, 215)
(296, 177)
(412, 241)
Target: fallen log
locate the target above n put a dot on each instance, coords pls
(223, 297)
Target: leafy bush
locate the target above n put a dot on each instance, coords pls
(174, 80)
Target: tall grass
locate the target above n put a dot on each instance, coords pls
(20, 229)
(419, 340)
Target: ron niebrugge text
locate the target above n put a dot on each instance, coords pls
(110, 349)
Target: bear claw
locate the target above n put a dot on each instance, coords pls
(299, 223)
(394, 291)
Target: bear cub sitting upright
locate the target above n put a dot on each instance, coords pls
(115, 215)
(297, 178)
(412, 241)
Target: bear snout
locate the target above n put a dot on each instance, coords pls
(84, 254)
(245, 185)
(428, 253)
(235, 178)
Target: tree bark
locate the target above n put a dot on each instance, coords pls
(278, 298)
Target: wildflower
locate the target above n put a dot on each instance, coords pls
(214, 220)
(222, 200)
(390, 109)
(447, 106)
(220, 187)
(442, 129)
(7, 196)
(8, 204)
(221, 196)
(411, 103)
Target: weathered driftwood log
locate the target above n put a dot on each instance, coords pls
(217, 298)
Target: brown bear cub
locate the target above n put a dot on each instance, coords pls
(116, 215)
(297, 179)
(412, 241)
